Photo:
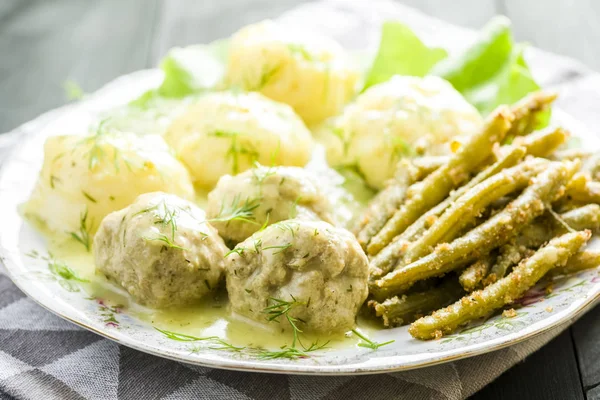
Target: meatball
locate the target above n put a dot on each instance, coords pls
(322, 269)
(161, 250)
(240, 205)
(395, 119)
(224, 133)
(309, 72)
(84, 178)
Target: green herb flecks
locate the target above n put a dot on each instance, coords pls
(237, 149)
(83, 235)
(368, 343)
(216, 343)
(238, 210)
(166, 240)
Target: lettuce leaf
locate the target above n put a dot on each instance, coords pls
(401, 52)
(193, 69)
(490, 72)
(188, 70)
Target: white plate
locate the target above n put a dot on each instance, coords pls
(541, 311)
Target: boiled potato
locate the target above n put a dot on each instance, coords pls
(84, 178)
(225, 133)
(398, 118)
(311, 73)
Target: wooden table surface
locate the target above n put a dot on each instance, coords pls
(43, 43)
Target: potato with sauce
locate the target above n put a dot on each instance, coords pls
(320, 269)
(397, 119)
(240, 205)
(161, 250)
(309, 72)
(225, 133)
(84, 178)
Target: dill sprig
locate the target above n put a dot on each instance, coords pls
(62, 270)
(237, 250)
(279, 248)
(291, 353)
(238, 210)
(218, 343)
(96, 153)
(83, 235)
(282, 308)
(368, 343)
(237, 149)
(166, 240)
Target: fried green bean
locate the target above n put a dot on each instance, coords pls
(407, 308)
(427, 164)
(543, 143)
(386, 202)
(495, 232)
(385, 260)
(528, 111)
(483, 302)
(466, 208)
(583, 190)
(510, 254)
(541, 231)
(585, 259)
(570, 154)
(432, 190)
(471, 278)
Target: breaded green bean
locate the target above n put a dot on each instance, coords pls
(428, 193)
(385, 260)
(571, 154)
(471, 278)
(585, 259)
(583, 190)
(528, 112)
(403, 310)
(427, 164)
(386, 202)
(495, 232)
(543, 143)
(483, 302)
(467, 207)
(510, 254)
(541, 231)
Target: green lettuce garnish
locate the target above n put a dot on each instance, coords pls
(189, 70)
(490, 72)
(401, 52)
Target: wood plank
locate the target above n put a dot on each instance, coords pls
(185, 22)
(585, 335)
(550, 373)
(50, 42)
(565, 27)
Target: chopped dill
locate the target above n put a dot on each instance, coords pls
(280, 249)
(288, 226)
(53, 181)
(238, 211)
(83, 235)
(237, 250)
(89, 197)
(237, 149)
(60, 269)
(216, 342)
(294, 208)
(298, 49)
(368, 343)
(166, 240)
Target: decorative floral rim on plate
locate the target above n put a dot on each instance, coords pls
(539, 311)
